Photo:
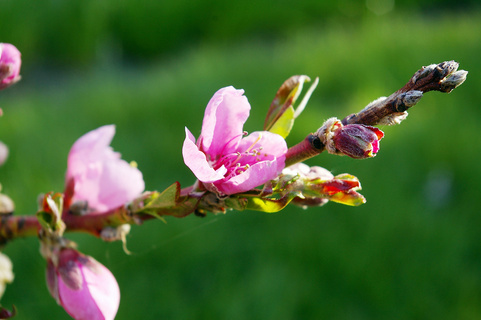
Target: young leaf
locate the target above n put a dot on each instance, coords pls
(282, 113)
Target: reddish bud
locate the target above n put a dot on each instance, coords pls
(357, 141)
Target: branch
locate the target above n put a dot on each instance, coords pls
(19, 226)
(443, 77)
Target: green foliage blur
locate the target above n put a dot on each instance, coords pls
(413, 251)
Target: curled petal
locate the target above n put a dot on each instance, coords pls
(223, 122)
(256, 175)
(197, 161)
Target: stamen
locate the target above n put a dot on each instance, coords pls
(233, 165)
(228, 142)
(257, 140)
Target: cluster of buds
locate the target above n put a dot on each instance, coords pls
(10, 62)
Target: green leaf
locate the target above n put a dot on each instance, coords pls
(351, 198)
(284, 124)
(168, 203)
(166, 198)
(284, 102)
(258, 204)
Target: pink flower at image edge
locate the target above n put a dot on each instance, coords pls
(223, 159)
(98, 175)
(10, 62)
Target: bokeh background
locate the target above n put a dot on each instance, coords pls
(413, 251)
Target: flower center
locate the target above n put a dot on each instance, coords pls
(238, 162)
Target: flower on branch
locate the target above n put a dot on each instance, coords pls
(10, 63)
(357, 141)
(82, 286)
(97, 179)
(223, 159)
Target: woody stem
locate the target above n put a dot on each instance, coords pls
(442, 77)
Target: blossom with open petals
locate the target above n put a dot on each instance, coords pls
(223, 159)
(97, 176)
(10, 62)
(84, 287)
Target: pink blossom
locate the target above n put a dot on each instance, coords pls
(225, 161)
(82, 286)
(97, 176)
(10, 63)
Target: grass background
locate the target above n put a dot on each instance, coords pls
(413, 251)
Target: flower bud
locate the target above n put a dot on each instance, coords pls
(6, 274)
(82, 286)
(10, 63)
(453, 80)
(357, 141)
(7, 206)
(7, 314)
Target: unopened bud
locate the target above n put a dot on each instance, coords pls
(10, 63)
(454, 80)
(6, 204)
(82, 286)
(357, 141)
(424, 72)
(412, 97)
(6, 273)
(7, 314)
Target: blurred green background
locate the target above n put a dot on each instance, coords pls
(413, 251)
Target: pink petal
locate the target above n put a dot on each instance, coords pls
(100, 176)
(10, 63)
(375, 146)
(92, 142)
(197, 161)
(266, 142)
(256, 175)
(224, 119)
